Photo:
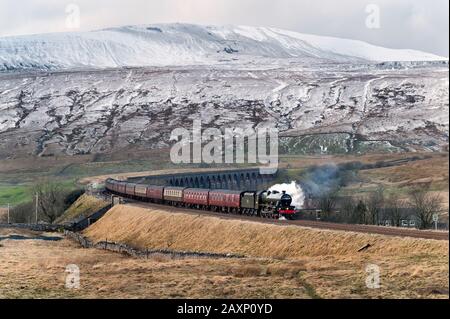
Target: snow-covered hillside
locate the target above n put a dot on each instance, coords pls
(102, 111)
(186, 44)
(325, 95)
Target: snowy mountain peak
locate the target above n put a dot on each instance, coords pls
(187, 44)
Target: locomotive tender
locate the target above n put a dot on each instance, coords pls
(265, 203)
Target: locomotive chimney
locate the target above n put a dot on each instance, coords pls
(284, 192)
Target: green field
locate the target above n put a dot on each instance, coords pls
(13, 195)
(15, 186)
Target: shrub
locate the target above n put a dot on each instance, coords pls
(23, 213)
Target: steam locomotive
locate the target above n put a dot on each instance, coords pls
(266, 204)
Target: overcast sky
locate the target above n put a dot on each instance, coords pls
(412, 24)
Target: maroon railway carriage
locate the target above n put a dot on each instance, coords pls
(155, 192)
(225, 200)
(110, 185)
(149, 192)
(121, 186)
(114, 186)
(129, 189)
(196, 197)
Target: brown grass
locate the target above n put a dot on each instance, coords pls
(433, 170)
(293, 161)
(302, 161)
(36, 269)
(152, 228)
(325, 263)
(40, 163)
(83, 207)
(26, 163)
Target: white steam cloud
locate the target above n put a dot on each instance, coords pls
(293, 189)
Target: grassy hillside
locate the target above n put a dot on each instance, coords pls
(160, 229)
(83, 207)
(13, 194)
(332, 267)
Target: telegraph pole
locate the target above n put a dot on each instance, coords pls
(435, 219)
(37, 201)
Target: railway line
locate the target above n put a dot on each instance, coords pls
(370, 229)
(260, 206)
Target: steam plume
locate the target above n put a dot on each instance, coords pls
(293, 189)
